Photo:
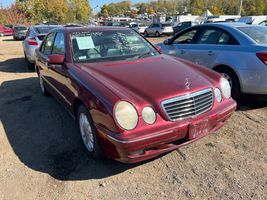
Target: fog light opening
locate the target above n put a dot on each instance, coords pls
(136, 153)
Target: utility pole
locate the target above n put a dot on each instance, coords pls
(240, 7)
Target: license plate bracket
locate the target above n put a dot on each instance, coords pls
(199, 129)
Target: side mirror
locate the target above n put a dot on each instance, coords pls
(56, 59)
(167, 41)
(159, 49)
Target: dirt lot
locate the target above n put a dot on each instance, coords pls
(42, 155)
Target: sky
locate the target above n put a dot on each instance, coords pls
(95, 4)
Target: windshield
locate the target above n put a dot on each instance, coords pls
(21, 28)
(165, 25)
(257, 33)
(109, 45)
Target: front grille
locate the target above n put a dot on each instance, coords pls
(189, 105)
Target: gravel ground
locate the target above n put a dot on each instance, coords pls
(42, 155)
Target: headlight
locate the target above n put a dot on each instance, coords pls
(149, 115)
(218, 95)
(226, 88)
(126, 115)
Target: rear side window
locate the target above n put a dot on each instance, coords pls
(59, 44)
(209, 36)
(216, 36)
(257, 33)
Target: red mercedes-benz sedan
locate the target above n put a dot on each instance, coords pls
(131, 102)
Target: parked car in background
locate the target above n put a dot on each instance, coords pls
(34, 38)
(19, 32)
(158, 29)
(237, 50)
(263, 23)
(5, 31)
(183, 25)
(253, 19)
(131, 102)
(138, 27)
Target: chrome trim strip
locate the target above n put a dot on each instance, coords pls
(188, 96)
(56, 90)
(140, 139)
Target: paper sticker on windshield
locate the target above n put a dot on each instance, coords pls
(85, 42)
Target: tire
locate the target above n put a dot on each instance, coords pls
(88, 132)
(145, 34)
(30, 66)
(42, 86)
(233, 80)
(157, 34)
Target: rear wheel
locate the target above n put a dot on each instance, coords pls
(30, 66)
(88, 132)
(42, 86)
(157, 34)
(145, 34)
(230, 75)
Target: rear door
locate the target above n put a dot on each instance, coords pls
(42, 59)
(211, 43)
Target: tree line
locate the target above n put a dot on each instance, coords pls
(79, 11)
(38, 11)
(174, 7)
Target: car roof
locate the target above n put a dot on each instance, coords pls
(228, 24)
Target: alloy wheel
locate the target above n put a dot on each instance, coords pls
(86, 132)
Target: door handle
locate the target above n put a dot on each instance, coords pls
(210, 53)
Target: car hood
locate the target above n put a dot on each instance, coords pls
(151, 79)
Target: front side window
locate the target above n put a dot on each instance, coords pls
(109, 46)
(185, 38)
(48, 43)
(59, 44)
(257, 33)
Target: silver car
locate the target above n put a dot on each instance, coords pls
(138, 27)
(34, 38)
(19, 32)
(237, 50)
(158, 30)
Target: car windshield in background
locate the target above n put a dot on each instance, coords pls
(43, 29)
(109, 46)
(258, 34)
(165, 25)
(20, 28)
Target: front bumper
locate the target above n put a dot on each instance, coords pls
(151, 145)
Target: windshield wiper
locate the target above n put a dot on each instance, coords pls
(145, 55)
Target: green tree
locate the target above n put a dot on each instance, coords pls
(80, 9)
(197, 7)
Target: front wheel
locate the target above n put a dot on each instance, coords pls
(88, 132)
(157, 34)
